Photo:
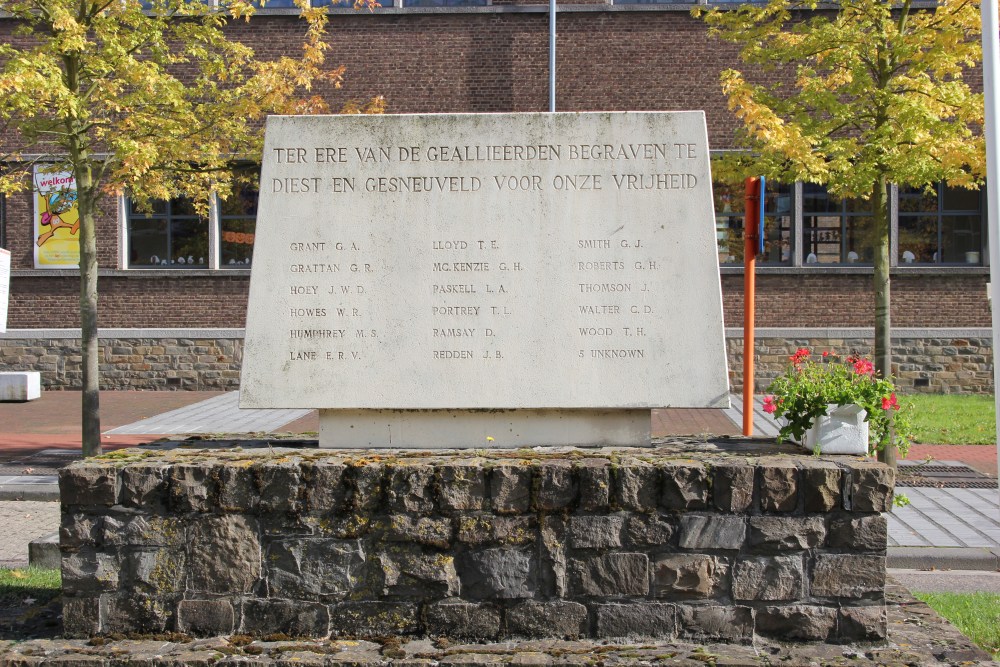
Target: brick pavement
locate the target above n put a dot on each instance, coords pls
(980, 457)
(21, 521)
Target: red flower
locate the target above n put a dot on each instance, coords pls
(826, 353)
(864, 367)
(800, 355)
(890, 402)
(769, 405)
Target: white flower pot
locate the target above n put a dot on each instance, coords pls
(842, 430)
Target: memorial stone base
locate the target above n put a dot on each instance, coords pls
(708, 540)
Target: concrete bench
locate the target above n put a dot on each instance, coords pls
(20, 386)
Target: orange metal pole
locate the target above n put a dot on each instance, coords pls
(751, 221)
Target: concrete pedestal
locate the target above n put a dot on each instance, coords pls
(20, 386)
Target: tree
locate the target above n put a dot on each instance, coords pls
(857, 97)
(156, 100)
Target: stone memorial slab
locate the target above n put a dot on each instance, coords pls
(491, 275)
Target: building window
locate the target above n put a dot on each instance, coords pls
(237, 220)
(729, 219)
(941, 226)
(170, 235)
(835, 230)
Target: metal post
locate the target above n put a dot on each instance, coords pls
(751, 220)
(991, 64)
(552, 56)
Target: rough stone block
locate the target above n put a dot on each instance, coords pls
(644, 619)
(707, 531)
(510, 488)
(502, 530)
(821, 485)
(636, 486)
(596, 532)
(732, 487)
(729, 623)
(779, 486)
(848, 575)
(679, 576)
(867, 623)
(553, 579)
(143, 530)
(462, 620)
(81, 616)
(556, 485)
(80, 530)
(278, 486)
(237, 490)
(779, 533)
(366, 484)
(462, 486)
(859, 533)
(154, 571)
(429, 531)
(411, 488)
(206, 617)
(805, 622)
(326, 490)
(547, 619)
(296, 618)
(412, 573)
(89, 484)
(310, 567)
(594, 477)
(610, 575)
(374, 619)
(130, 612)
(90, 571)
(190, 488)
(145, 485)
(499, 573)
(650, 530)
(768, 578)
(223, 554)
(685, 486)
(872, 486)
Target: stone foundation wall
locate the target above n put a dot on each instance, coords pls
(945, 364)
(699, 540)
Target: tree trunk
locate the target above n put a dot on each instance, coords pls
(89, 347)
(883, 340)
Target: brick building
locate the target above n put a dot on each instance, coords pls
(173, 286)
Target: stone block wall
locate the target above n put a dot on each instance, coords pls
(933, 365)
(653, 542)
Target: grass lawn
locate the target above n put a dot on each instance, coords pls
(16, 586)
(977, 615)
(953, 419)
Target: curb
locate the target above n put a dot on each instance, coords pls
(44, 552)
(47, 492)
(944, 558)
